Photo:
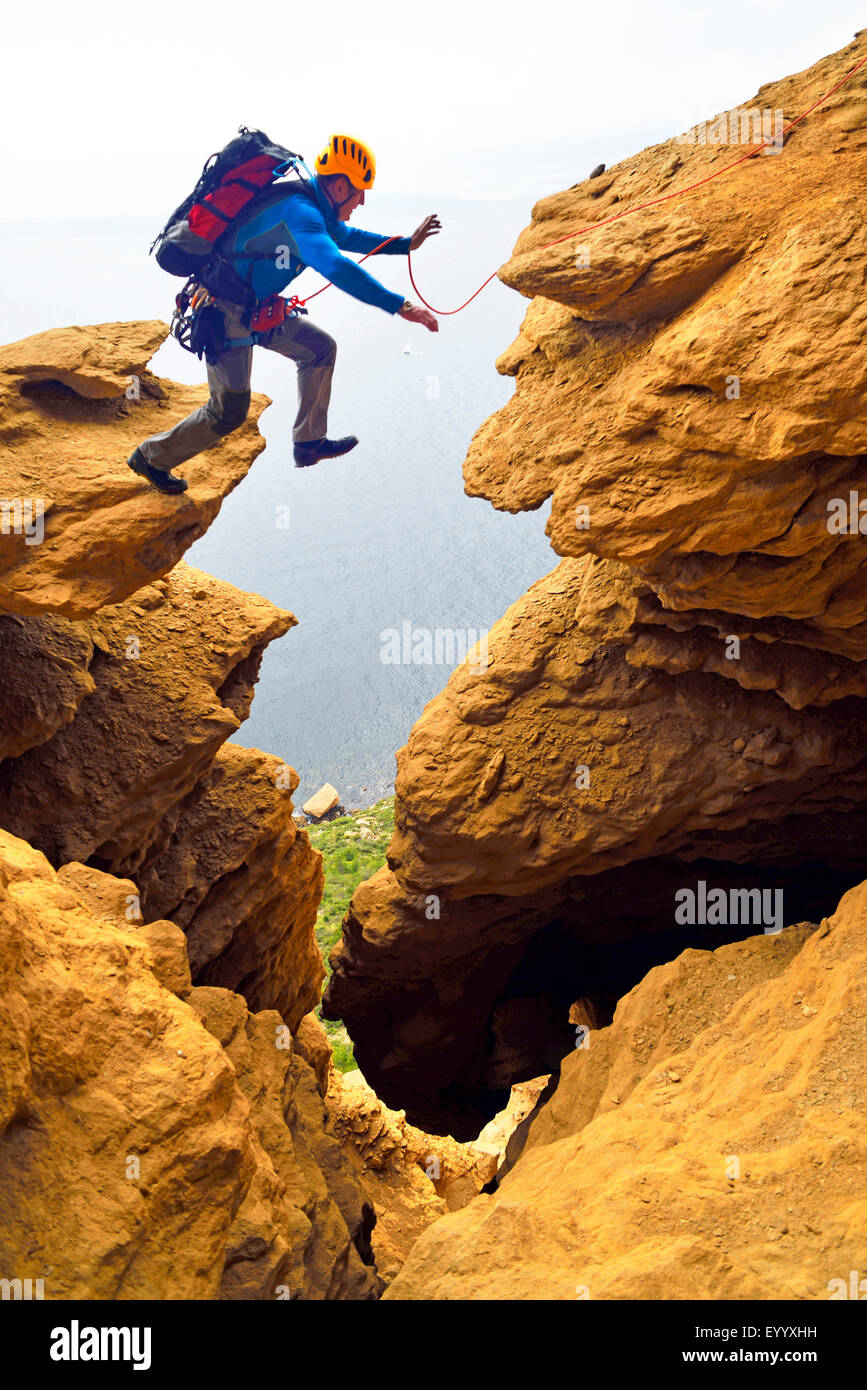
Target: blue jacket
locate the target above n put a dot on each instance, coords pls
(297, 230)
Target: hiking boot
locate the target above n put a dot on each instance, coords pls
(312, 450)
(157, 477)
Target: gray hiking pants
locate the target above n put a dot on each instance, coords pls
(229, 379)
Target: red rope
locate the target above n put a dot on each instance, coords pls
(628, 212)
(295, 300)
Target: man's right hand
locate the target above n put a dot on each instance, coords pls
(414, 313)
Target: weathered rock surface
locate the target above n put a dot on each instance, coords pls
(410, 1177)
(67, 429)
(168, 676)
(303, 1228)
(710, 1144)
(393, 1162)
(684, 696)
(142, 1154)
(122, 762)
(672, 757)
(458, 963)
(244, 883)
(133, 1067)
(700, 387)
(44, 676)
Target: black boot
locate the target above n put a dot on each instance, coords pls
(157, 477)
(312, 450)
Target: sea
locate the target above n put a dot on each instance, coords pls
(360, 547)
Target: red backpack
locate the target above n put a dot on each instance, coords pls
(228, 183)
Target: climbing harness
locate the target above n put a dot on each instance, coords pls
(200, 326)
(271, 313)
(197, 323)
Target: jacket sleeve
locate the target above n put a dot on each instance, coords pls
(317, 248)
(355, 239)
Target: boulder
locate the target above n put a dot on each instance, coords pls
(322, 802)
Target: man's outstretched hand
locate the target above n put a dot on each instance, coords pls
(414, 313)
(429, 227)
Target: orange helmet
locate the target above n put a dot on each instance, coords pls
(345, 155)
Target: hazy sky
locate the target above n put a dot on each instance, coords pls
(115, 106)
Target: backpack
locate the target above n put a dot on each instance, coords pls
(190, 243)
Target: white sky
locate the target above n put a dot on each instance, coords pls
(114, 107)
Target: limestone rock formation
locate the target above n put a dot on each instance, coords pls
(303, 1228)
(122, 762)
(412, 1178)
(244, 883)
(193, 1118)
(142, 1154)
(168, 677)
(700, 386)
(459, 962)
(80, 530)
(709, 1144)
(393, 1163)
(575, 681)
(684, 697)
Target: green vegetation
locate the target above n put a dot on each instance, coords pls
(352, 848)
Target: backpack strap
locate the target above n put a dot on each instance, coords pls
(275, 194)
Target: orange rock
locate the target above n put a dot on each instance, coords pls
(311, 1042)
(203, 1151)
(245, 883)
(44, 676)
(684, 695)
(136, 777)
(67, 428)
(459, 963)
(686, 387)
(412, 1178)
(170, 676)
(746, 1179)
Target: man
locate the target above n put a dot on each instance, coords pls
(298, 225)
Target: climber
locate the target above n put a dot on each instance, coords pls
(298, 224)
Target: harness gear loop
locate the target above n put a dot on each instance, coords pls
(266, 316)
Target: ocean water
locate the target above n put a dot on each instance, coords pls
(356, 547)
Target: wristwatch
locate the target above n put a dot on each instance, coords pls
(407, 304)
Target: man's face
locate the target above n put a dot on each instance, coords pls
(346, 197)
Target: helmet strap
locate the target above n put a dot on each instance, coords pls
(338, 205)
